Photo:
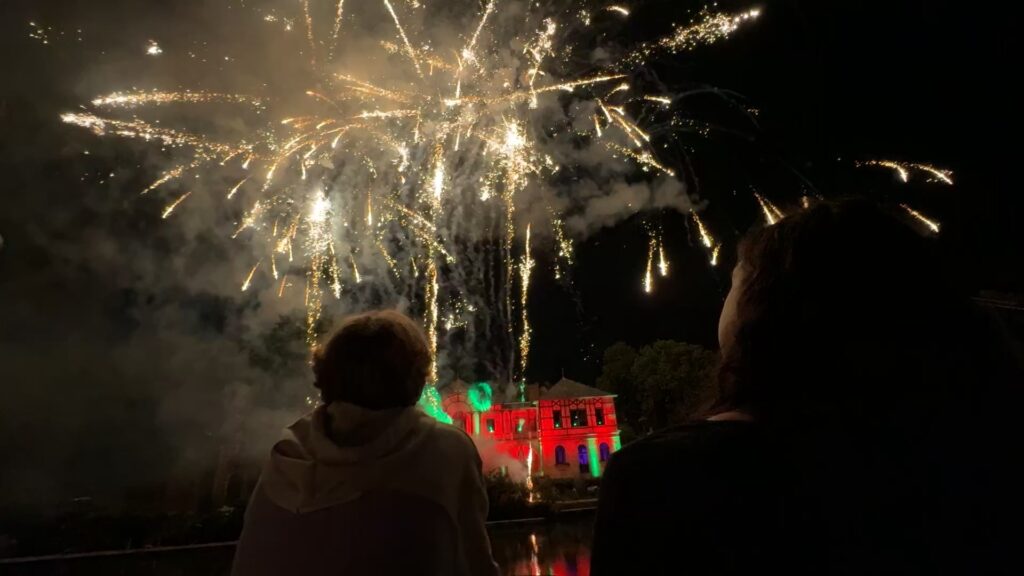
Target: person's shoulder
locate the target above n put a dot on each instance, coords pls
(698, 435)
(453, 439)
(690, 444)
(453, 449)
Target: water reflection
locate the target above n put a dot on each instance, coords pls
(559, 548)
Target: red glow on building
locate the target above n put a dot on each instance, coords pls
(570, 428)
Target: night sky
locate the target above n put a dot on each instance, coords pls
(103, 374)
(835, 82)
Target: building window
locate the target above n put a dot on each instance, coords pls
(557, 415)
(599, 416)
(560, 455)
(578, 416)
(490, 425)
(584, 461)
(604, 452)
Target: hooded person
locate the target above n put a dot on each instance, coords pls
(367, 483)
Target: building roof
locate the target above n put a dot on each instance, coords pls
(566, 388)
(456, 386)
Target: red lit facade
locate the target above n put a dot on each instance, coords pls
(570, 429)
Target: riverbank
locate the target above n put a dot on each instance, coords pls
(81, 533)
(557, 545)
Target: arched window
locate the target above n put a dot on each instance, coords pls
(604, 452)
(560, 454)
(584, 461)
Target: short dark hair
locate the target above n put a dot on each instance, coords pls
(885, 399)
(376, 360)
(838, 304)
(846, 313)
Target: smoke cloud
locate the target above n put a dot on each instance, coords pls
(128, 353)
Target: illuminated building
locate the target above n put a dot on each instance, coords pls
(566, 431)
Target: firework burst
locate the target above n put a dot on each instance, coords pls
(382, 173)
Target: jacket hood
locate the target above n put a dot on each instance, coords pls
(336, 452)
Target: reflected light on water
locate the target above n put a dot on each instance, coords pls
(544, 549)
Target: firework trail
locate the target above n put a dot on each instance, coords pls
(170, 207)
(662, 261)
(931, 224)
(904, 169)
(248, 279)
(708, 28)
(156, 98)
(396, 160)
(771, 213)
(714, 255)
(655, 260)
(649, 269)
(525, 268)
(659, 100)
(705, 238)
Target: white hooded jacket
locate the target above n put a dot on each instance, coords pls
(355, 491)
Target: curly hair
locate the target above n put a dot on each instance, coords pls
(376, 360)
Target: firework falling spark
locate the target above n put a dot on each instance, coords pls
(659, 99)
(645, 159)
(714, 255)
(525, 268)
(248, 279)
(705, 238)
(931, 224)
(662, 261)
(649, 269)
(339, 12)
(234, 189)
(205, 147)
(904, 169)
(771, 213)
(565, 251)
(170, 207)
(410, 51)
(944, 176)
(431, 297)
(155, 97)
(656, 260)
(40, 32)
(710, 27)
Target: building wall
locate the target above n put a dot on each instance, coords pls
(581, 440)
(545, 426)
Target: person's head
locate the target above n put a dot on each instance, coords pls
(375, 360)
(881, 390)
(835, 309)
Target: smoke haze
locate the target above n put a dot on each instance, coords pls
(128, 354)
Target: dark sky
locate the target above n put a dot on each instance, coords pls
(88, 350)
(835, 82)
